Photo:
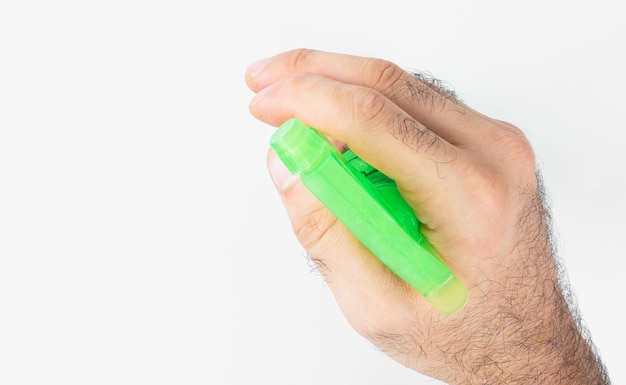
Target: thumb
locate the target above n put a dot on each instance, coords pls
(281, 176)
(359, 281)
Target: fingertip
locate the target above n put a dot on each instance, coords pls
(253, 78)
(256, 68)
(255, 100)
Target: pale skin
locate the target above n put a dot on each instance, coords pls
(472, 182)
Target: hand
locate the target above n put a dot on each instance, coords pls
(472, 182)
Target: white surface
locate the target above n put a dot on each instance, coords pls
(141, 240)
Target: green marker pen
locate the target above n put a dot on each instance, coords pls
(369, 204)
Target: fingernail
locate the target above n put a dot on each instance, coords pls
(280, 174)
(256, 68)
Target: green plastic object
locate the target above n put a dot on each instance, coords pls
(369, 204)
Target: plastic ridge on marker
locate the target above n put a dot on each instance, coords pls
(369, 204)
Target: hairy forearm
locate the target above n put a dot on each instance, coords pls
(542, 343)
(559, 347)
(524, 343)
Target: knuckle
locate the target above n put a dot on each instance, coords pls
(314, 228)
(367, 105)
(299, 57)
(381, 74)
(517, 146)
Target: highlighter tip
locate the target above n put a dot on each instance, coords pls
(450, 297)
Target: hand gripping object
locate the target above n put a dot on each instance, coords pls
(369, 204)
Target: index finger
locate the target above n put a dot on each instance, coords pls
(376, 129)
(421, 97)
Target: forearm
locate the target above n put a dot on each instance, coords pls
(522, 344)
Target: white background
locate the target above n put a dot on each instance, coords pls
(141, 240)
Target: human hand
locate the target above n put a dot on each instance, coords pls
(472, 182)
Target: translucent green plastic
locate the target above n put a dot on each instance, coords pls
(369, 205)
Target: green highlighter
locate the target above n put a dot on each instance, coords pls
(369, 204)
